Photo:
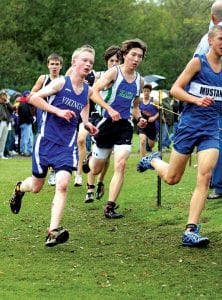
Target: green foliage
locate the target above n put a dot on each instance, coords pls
(31, 30)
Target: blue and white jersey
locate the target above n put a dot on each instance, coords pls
(46, 81)
(148, 109)
(123, 94)
(205, 83)
(59, 130)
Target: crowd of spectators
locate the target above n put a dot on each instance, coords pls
(17, 125)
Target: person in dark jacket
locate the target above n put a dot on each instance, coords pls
(5, 112)
(25, 124)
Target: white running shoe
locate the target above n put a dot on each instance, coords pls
(4, 157)
(78, 180)
(52, 178)
(13, 153)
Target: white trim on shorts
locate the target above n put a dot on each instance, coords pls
(103, 153)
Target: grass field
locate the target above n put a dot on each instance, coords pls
(137, 257)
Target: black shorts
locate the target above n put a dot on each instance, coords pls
(150, 131)
(95, 118)
(114, 133)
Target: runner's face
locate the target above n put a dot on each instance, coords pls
(216, 42)
(54, 67)
(146, 93)
(84, 63)
(113, 61)
(133, 58)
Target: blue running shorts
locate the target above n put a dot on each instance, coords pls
(48, 154)
(187, 138)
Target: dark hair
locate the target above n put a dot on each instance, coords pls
(134, 43)
(55, 56)
(147, 86)
(113, 50)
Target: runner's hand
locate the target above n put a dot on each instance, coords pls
(93, 130)
(205, 101)
(142, 123)
(114, 114)
(65, 114)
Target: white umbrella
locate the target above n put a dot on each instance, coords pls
(153, 84)
(154, 80)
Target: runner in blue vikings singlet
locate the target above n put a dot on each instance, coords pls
(59, 132)
(56, 144)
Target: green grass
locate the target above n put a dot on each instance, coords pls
(137, 257)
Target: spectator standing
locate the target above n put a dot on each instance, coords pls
(9, 150)
(216, 19)
(5, 118)
(25, 124)
(167, 124)
(15, 123)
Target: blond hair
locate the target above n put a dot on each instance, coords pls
(83, 48)
(214, 30)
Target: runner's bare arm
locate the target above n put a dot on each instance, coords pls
(85, 117)
(37, 99)
(178, 88)
(108, 77)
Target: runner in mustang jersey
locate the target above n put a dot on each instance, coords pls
(199, 86)
(56, 143)
(116, 133)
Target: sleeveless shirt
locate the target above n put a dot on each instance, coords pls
(123, 95)
(59, 130)
(204, 83)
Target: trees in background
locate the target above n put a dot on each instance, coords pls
(31, 30)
